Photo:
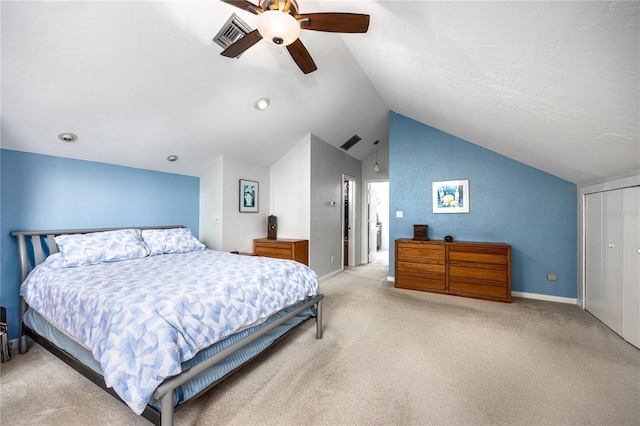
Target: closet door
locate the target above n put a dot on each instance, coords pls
(612, 266)
(604, 287)
(631, 262)
(594, 299)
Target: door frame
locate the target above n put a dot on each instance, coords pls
(365, 225)
(352, 194)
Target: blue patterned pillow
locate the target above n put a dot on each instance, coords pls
(98, 247)
(174, 240)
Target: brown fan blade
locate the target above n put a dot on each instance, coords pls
(334, 22)
(301, 56)
(242, 44)
(244, 5)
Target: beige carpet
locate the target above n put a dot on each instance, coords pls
(388, 356)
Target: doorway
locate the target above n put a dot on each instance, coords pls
(348, 221)
(378, 221)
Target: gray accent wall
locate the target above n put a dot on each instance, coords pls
(328, 164)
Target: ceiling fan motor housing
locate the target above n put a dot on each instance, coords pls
(280, 5)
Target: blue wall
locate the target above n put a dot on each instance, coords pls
(510, 202)
(42, 192)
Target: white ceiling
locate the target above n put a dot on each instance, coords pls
(551, 84)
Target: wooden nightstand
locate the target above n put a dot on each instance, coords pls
(282, 248)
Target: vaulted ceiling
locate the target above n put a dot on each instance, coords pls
(551, 84)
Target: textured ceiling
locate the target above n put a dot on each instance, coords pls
(551, 84)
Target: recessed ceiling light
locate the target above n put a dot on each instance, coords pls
(172, 158)
(262, 104)
(67, 137)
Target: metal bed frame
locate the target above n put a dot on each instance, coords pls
(29, 259)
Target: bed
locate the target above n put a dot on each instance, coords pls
(151, 315)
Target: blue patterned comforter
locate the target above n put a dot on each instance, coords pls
(142, 318)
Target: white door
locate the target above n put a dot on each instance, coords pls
(594, 299)
(604, 258)
(631, 262)
(612, 260)
(372, 219)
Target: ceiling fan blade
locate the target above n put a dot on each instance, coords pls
(242, 44)
(334, 22)
(301, 56)
(244, 5)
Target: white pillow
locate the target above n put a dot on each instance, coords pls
(173, 240)
(98, 247)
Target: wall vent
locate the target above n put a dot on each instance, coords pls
(233, 30)
(351, 142)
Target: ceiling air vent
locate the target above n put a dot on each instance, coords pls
(233, 30)
(351, 142)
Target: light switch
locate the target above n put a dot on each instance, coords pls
(399, 214)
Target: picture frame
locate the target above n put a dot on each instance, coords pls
(451, 196)
(249, 196)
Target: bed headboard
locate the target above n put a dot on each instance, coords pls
(35, 246)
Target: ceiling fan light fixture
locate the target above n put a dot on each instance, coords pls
(278, 28)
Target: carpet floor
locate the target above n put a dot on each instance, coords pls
(388, 357)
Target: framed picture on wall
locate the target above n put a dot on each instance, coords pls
(451, 196)
(248, 196)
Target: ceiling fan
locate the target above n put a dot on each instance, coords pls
(279, 23)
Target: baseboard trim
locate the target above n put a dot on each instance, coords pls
(546, 297)
(536, 296)
(331, 275)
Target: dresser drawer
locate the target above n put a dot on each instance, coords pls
(419, 251)
(421, 281)
(474, 289)
(491, 255)
(489, 272)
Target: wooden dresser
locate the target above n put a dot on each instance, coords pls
(480, 270)
(282, 248)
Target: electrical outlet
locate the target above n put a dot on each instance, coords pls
(399, 214)
(331, 259)
(552, 277)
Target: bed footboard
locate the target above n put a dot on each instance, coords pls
(164, 393)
